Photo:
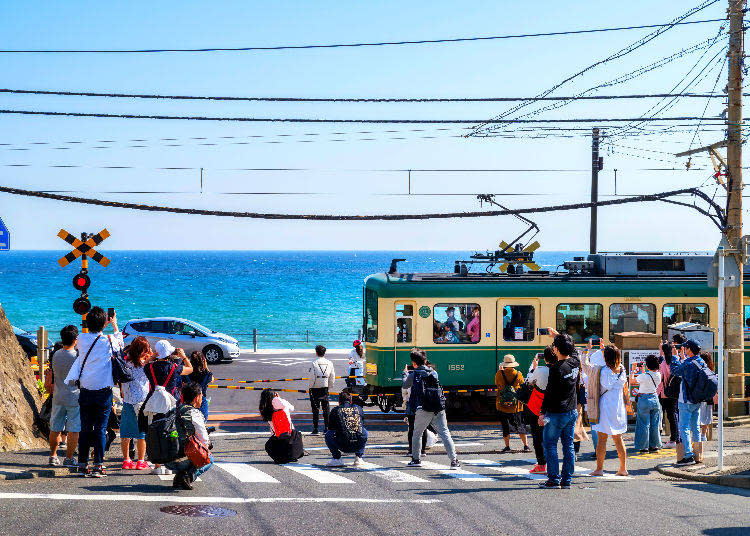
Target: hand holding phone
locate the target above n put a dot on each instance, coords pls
(543, 331)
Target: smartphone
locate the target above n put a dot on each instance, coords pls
(594, 342)
(543, 331)
(540, 356)
(110, 312)
(409, 367)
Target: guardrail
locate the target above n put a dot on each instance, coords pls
(306, 336)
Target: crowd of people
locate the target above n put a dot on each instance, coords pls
(165, 407)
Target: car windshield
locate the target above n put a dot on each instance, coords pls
(204, 329)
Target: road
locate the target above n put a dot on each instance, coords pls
(492, 493)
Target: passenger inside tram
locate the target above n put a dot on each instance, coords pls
(448, 329)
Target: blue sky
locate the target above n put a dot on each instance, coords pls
(339, 176)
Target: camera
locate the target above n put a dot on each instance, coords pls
(543, 331)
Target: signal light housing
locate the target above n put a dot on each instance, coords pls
(81, 282)
(81, 306)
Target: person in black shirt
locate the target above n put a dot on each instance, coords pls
(559, 411)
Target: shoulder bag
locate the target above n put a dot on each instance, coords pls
(80, 372)
(120, 370)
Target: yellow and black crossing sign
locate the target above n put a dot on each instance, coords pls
(531, 248)
(84, 247)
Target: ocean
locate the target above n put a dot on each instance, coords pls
(295, 299)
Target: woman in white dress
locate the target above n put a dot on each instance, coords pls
(613, 419)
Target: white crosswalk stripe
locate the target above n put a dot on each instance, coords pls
(244, 472)
(392, 475)
(510, 469)
(317, 474)
(460, 474)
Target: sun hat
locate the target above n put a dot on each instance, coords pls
(163, 349)
(509, 361)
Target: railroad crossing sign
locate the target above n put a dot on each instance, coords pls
(4, 237)
(84, 248)
(530, 249)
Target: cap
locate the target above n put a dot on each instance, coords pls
(163, 349)
(693, 346)
(356, 343)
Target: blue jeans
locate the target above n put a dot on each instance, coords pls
(95, 408)
(204, 408)
(688, 425)
(560, 427)
(332, 442)
(192, 471)
(647, 422)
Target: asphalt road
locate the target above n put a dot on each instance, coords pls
(492, 494)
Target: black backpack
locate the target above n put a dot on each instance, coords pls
(706, 383)
(349, 427)
(433, 398)
(672, 387)
(163, 438)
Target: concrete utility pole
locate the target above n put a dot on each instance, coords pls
(594, 187)
(734, 317)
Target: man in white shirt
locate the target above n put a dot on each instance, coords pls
(321, 376)
(92, 371)
(195, 425)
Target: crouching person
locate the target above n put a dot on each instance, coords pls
(194, 442)
(347, 431)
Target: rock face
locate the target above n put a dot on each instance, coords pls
(19, 397)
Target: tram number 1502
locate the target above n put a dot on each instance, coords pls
(455, 367)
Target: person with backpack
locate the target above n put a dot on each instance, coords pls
(321, 378)
(91, 372)
(648, 409)
(699, 384)
(285, 444)
(347, 433)
(193, 438)
(507, 381)
(427, 401)
(162, 374)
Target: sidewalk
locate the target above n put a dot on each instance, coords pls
(26, 464)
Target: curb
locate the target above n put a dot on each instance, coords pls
(735, 481)
(49, 472)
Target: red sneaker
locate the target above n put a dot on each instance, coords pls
(142, 465)
(128, 464)
(539, 470)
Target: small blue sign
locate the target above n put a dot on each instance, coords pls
(4, 237)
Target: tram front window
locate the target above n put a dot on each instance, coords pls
(371, 316)
(451, 321)
(518, 323)
(683, 312)
(747, 322)
(582, 321)
(404, 323)
(631, 317)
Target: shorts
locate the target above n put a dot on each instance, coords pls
(705, 415)
(129, 423)
(67, 418)
(512, 423)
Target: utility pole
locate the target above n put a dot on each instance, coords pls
(595, 166)
(734, 317)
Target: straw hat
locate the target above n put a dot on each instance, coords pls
(509, 361)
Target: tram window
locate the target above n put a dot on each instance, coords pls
(404, 322)
(518, 323)
(582, 321)
(371, 316)
(451, 323)
(672, 313)
(747, 322)
(631, 317)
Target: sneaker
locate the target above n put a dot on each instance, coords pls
(358, 462)
(653, 449)
(643, 451)
(161, 470)
(70, 462)
(314, 432)
(564, 486)
(99, 471)
(549, 484)
(455, 464)
(539, 470)
(54, 461)
(84, 471)
(687, 460)
(414, 463)
(335, 462)
(182, 481)
(506, 450)
(142, 465)
(526, 449)
(128, 464)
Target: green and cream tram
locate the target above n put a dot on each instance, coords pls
(595, 298)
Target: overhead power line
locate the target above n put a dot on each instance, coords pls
(663, 196)
(353, 45)
(354, 99)
(319, 120)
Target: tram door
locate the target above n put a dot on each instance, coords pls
(517, 323)
(404, 336)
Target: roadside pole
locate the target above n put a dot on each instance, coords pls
(41, 351)
(720, 358)
(594, 188)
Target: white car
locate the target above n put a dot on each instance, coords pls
(185, 334)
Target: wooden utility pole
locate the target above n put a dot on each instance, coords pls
(734, 317)
(594, 188)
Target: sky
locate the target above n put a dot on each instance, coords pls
(343, 169)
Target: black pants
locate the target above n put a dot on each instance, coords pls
(410, 433)
(669, 406)
(532, 422)
(318, 399)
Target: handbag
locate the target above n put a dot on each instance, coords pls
(120, 370)
(196, 452)
(535, 402)
(672, 387)
(523, 393)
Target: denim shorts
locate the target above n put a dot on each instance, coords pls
(65, 418)
(129, 423)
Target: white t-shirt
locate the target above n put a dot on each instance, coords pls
(540, 376)
(199, 423)
(648, 382)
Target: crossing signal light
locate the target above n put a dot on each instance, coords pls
(81, 282)
(82, 306)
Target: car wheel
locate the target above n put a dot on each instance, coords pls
(213, 353)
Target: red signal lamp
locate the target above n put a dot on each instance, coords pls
(81, 282)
